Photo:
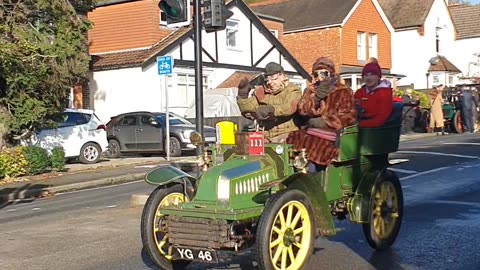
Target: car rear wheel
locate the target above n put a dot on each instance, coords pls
(175, 147)
(113, 148)
(90, 153)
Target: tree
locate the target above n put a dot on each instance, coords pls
(43, 53)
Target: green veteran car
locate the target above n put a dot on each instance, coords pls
(261, 197)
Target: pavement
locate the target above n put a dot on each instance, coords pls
(78, 176)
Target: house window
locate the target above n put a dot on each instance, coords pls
(436, 79)
(274, 33)
(361, 48)
(372, 45)
(450, 80)
(232, 34)
(184, 93)
(163, 18)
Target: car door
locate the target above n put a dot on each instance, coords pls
(125, 130)
(72, 132)
(149, 133)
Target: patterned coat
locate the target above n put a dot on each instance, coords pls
(285, 103)
(336, 110)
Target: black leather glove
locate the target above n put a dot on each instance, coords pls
(323, 88)
(244, 88)
(265, 112)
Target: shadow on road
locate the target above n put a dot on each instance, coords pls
(25, 193)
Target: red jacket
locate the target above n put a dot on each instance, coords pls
(377, 105)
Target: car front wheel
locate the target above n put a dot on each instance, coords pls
(90, 153)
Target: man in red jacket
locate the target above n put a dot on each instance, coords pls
(374, 98)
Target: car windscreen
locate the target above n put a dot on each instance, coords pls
(74, 118)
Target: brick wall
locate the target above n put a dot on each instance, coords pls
(366, 19)
(273, 25)
(125, 26)
(307, 46)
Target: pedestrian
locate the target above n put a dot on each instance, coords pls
(327, 107)
(468, 107)
(273, 105)
(409, 114)
(436, 111)
(374, 98)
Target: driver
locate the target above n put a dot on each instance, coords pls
(273, 105)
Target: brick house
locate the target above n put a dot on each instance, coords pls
(128, 35)
(347, 31)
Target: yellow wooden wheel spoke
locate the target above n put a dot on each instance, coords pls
(277, 230)
(296, 219)
(282, 219)
(276, 242)
(278, 252)
(298, 245)
(291, 255)
(284, 258)
(298, 230)
(289, 215)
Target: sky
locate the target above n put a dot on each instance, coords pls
(474, 2)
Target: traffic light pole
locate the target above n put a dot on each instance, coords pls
(198, 72)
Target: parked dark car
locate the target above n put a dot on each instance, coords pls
(144, 133)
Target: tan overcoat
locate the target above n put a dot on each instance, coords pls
(436, 112)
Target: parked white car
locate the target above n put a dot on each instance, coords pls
(81, 134)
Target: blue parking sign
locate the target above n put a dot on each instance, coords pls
(165, 65)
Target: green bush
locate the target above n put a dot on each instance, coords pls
(37, 159)
(57, 159)
(12, 162)
(424, 104)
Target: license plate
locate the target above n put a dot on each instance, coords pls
(210, 139)
(195, 254)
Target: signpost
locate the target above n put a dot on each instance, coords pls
(165, 66)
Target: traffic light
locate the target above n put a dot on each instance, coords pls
(177, 12)
(215, 15)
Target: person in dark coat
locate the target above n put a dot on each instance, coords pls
(468, 106)
(410, 102)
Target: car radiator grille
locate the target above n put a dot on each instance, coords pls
(198, 232)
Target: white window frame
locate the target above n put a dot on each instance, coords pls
(274, 32)
(373, 45)
(436, 79)
(235, 29)
(361, 47)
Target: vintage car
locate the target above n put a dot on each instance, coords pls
(258, 196)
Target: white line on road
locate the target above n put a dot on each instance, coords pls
(398, 161)
(425, 172)
(146, 166)
(462, 143)
(437, 154)
(104, 187)
(476, 204)
(402, 170)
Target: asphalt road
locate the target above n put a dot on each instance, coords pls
(97, 229)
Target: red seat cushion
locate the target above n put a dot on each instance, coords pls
(326, 134)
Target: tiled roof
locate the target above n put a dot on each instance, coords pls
(233, 80)
(406, 13)
(302, 14)
(466, 19)
(443, 65)
(132, 58)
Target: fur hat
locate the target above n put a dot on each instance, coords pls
(373, 68)
(324, 63)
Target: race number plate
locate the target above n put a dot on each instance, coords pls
(195, 254)
(255, 143)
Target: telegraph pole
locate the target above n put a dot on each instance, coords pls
(198, 72)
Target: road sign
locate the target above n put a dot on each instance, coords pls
(165, 65)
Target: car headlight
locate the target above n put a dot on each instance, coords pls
(223, 188)
(186, 133)
(301, 161)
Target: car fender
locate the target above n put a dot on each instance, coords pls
(359, 205)
(310, 185)
(167, 175)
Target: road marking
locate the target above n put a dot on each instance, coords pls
(112, 206)
(398, 161)
(437, 154)
(462, 143)
(35, 209)
(90, 189)
(455, 202)
(402, 170)
(425, 172)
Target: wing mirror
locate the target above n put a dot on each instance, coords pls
(195, 138)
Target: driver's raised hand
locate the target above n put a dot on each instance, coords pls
(244, 88)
